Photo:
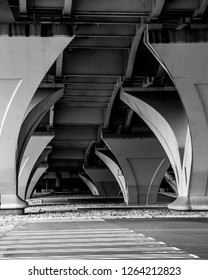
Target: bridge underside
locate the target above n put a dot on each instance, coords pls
(110, 95)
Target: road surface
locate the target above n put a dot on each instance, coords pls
(108, 239)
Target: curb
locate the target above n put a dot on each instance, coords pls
(102, 218)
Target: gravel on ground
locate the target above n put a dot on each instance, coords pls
(70, 211)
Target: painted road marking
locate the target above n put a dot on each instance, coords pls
(90, 243)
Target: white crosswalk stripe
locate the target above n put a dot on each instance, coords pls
(85, 244)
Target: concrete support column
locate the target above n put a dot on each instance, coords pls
(28, 153)
(187, 64)
(143, 162)
(90, 184)
(23, 63)
(36, 171)
(35, 147)
(40, 104)
(36, 177)
(107, 158)
(58, 182)
(163, 112)
(104, 180)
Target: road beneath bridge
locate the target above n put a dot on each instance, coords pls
(107, 239)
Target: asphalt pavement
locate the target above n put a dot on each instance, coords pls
(188, 234)
(100, 238)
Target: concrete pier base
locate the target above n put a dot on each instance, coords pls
(11, 202)
(190, 203)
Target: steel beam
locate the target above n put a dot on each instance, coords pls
(89, 86)
(149, 89)
(93, 62)
(123, 7)
(104, 29)
(97, 105)
(67, 153)
(77, 116)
